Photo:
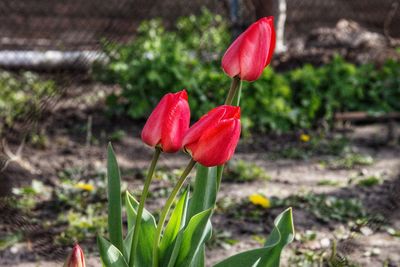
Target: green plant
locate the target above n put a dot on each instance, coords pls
(317, 145)
(222, 239)
(182, 242)
(241, 171)
(26, 198)
(186, 231)
(327, 208)
(22, 95)
(318, 257)
(350, 160)
(161, 60)
(329, 182)
(117, 135)
(82, 225)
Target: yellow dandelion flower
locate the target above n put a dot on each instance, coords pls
(83, 186)
(305, 138)
(260, 200)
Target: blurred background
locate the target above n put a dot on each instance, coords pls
(320, 127)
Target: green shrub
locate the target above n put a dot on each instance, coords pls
(160, 61)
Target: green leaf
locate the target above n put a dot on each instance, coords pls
(199, 258)
(205, 194)
(114, 199)
(175, 250)
(175, 224)
(205, 190)
(9, 240)
(284, 234)
(194, 235)
(269, 255)
(110, 255)
(128, 244)
(144, 253)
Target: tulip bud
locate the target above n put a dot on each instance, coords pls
(251, 52)
(168, 123)
(212, 140)
(75, 258)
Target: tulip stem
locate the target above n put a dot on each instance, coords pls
(238, 94)
(147, 182)
(236, 82)
(166, 209)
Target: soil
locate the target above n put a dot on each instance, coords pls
(65, 126)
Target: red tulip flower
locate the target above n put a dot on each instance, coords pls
(251, 52)
(168, 123)
(76, 258)
(212, 140)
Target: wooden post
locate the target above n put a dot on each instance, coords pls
(264, 8)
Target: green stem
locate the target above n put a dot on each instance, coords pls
(166, 209)
(147, 182)
(236, 82)
(235, 92)
(238, 94)
(220, 170)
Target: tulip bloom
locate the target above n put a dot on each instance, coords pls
(212, 140)
(168, 123)
(76, 258)
(251, 52)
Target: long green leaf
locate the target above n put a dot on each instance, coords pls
(144, 253)
(199, 258)
(194, 235)
(284, 227)
(114, 199)
(205, 190)
(175, 250)
(128, 244)
(175, 224)
(110, 255)
(204, 196)
(268, 256)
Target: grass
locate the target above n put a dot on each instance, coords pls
(241, 171)
(77, 206)
(349, 161)
(328, 182)
(315, 146)
(325, 208)
(329, 208)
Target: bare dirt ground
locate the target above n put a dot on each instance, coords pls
(68, 124)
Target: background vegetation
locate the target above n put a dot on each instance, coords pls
(188, 56)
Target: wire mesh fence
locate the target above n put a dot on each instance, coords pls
(62, 39)
(33, 32)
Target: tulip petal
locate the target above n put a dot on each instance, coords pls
(231, 112)
(253, 53)
(272, 43)
(217, 144)
(174, 129)
(151, 133)
(230, 60)
(205, 122)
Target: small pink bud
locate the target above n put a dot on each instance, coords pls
(75, 258)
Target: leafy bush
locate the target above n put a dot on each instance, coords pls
(22, 95)
(161, 60)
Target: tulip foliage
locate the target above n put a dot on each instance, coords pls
(210, 142)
